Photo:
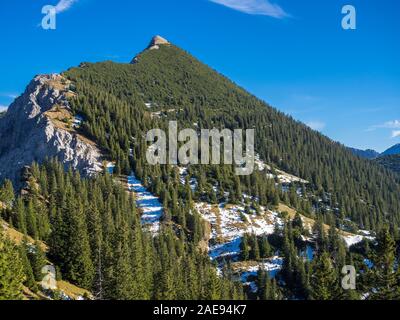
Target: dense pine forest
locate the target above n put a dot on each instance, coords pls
(112, 97)
(92, 226)
(96, 241)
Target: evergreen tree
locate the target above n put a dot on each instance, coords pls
(244, 248)
(37, 260)
(7, 193)
(30, 281)
(11, 271)
(384, 277)
(324, 280)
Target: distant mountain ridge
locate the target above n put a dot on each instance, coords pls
(392, 151)
(372, 154)
(367, 154)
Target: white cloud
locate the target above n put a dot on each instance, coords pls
(257, 7)
(395, 124)
(316, 125)
(395, 133)
(3, 108)
(64, 5)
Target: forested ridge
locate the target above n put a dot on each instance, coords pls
(113, 96)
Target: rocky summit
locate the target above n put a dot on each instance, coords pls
(39, 125)
(157, 41)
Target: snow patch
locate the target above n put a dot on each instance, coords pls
(230, 222)
(148, 203)
(354, 239)
(272, 266)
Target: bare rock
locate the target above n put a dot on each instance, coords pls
(29, 134)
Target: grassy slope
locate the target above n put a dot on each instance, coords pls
(69, 289)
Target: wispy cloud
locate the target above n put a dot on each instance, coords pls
(3, 108)
(256, 7)
(316, 125)
(394, 124)
(64, 5)
(395, 133)
(8, 95)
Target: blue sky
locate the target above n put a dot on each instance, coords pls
(294, 54)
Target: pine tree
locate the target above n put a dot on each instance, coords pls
(38, 260)
(385, 275)
(30, 281)
(7, 193)
(79, 266)
(124, 282)
(31, 221)
(19, 220)
(11, 271)
(265, 248)
(213, 286)
(255, 249)
(324, 281)
(244, 248)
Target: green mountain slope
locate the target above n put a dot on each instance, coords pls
(112, 97)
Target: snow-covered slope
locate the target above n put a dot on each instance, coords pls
(147, 203)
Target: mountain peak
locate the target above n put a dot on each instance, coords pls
(392, 151)
(154, 44)
(156, 41)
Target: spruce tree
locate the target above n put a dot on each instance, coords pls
(7, 195)
(38, 260)
(11, 270)
(30, 280)
(324, 280)
(385, 275)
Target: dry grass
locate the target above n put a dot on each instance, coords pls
(57, 84)
(72, 291)
(308, 222)
(244, 265)
(18, 237)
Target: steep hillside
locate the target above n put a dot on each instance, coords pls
(39, 125)
(167, 83)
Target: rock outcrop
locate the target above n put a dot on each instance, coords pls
(155, 44)
(36, 126)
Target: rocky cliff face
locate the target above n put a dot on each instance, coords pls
(38, 126)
